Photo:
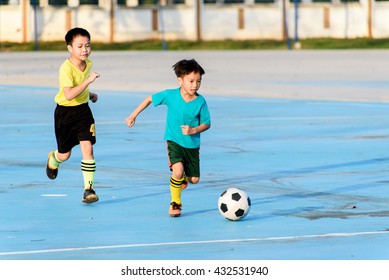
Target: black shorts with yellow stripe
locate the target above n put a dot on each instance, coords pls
(189, 157)
(72, 125)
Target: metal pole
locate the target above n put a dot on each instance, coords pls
(297, 44)
(1, 44)
(24, 7)
(369, 18)
(198, 20)
(285, 25)
(161, 22)
(36, 46)
(111, 21)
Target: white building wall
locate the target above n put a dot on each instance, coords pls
(179, 22)
(381, 20)
(131, 24)
(348, 21)
(262, 22)
(48, 18)
(11, 23)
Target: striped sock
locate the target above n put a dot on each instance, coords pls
(54, 162)
(88, 168)
(175, 189)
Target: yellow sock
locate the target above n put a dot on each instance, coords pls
(88, 168)
(54, 162)
(175, 189)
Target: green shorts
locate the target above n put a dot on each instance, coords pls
(189, 157)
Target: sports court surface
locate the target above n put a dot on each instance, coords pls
(304, 133)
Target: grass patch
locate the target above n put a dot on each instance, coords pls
(307, 44)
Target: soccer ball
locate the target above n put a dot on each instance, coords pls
(234, 204)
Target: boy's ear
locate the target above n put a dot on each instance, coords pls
(69, 48)
(180, 81)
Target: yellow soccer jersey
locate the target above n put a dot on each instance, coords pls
(71, 76)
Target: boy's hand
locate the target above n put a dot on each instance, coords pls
(93, 97)
(93, 76)
(130, 121)
(186, 130)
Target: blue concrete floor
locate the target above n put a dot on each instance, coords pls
(316, 173)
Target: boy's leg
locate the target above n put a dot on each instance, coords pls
(185, 182)
(176, 189)
(88, 168)
(53, 161)
(185, 166)
(65, 142)
(191, 167)
(193, 180)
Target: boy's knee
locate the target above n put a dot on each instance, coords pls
(194, 180)
(63, 156)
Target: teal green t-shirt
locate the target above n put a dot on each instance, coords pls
(180, 112)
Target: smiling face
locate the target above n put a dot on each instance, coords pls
(80, 48)
(190, 84)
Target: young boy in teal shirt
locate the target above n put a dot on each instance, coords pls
(187, 117)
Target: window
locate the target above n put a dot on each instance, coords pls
(264, 1)
(148, 2)
(233, 1)
(89, 2)
(223, 1)
(58, 2)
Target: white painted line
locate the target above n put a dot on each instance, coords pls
(54, 195)
(282, 238)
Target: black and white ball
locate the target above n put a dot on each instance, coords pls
(234, 204)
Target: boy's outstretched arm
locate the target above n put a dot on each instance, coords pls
(130, 120)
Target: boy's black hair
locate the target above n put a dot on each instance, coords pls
(72, 33)
(186, 66)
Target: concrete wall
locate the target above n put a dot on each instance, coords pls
(109, 22)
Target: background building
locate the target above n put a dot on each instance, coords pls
(131, 20)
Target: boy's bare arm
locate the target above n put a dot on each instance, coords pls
(130, 120)
(73, 92)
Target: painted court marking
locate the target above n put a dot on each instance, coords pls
(144, 245)
(305, 152)
(54, 195)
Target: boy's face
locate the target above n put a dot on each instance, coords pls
(190, 83)
(80, 48)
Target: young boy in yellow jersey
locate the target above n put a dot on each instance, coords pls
(73, 119)
(187, 118)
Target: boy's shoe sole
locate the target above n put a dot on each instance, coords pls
(50, 172)
(89, 196)
(175, 209)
